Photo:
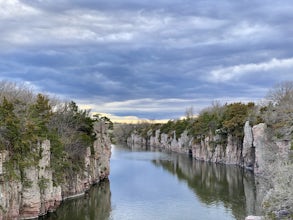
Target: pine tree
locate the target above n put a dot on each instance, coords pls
(10, 137)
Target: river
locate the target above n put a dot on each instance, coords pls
(146, 185)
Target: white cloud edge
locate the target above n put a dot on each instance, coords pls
(235, 72)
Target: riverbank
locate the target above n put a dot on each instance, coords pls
(258, 152)
(19, 201)
(250, 152)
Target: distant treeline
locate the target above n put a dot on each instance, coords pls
(222, 119)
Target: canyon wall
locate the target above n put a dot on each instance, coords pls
(260, 151)
(38, 194)
(251, 152)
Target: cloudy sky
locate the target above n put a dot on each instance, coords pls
(147, 59)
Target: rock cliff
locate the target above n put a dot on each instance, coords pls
(259, 151)
(38, 195)
(251, 152)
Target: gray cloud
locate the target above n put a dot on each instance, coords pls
(105, 52)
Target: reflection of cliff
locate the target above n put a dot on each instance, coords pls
(214, 183)
(94, 205)
(42, 195)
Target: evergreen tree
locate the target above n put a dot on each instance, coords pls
(10, 138)
(9, 126)
(40, 113)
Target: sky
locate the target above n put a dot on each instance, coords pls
(147, 59)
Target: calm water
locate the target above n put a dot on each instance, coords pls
(146, 185)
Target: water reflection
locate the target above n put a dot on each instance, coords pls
(95, 205)
(214, 183)
(167, 186)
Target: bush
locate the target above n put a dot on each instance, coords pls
(280, 197)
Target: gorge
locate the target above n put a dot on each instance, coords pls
(256, 153)
(51, 151)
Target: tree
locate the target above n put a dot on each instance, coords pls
(106, 120)
(39, 114)
(279, 112)
(9, 127)
(12, 91)
(282, 94)
(189, 113)
(122, 131)
(234, 118)
(15, 143)
(71, 132)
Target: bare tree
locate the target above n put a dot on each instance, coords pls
(282, 94)
(279, 112)
(122, 131)
(189, 112)
(13, 92)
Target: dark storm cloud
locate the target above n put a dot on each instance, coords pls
(148, 59)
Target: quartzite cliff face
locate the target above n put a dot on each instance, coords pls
(250, 153)
(18, 201)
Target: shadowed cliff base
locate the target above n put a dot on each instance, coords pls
(95, 204)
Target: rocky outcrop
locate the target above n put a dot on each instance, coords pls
(248, 150)
(180, 145)
(96, 166)
(10, 197)
(260, 142)
(136, 141)
(38, 195)
(250, 153)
